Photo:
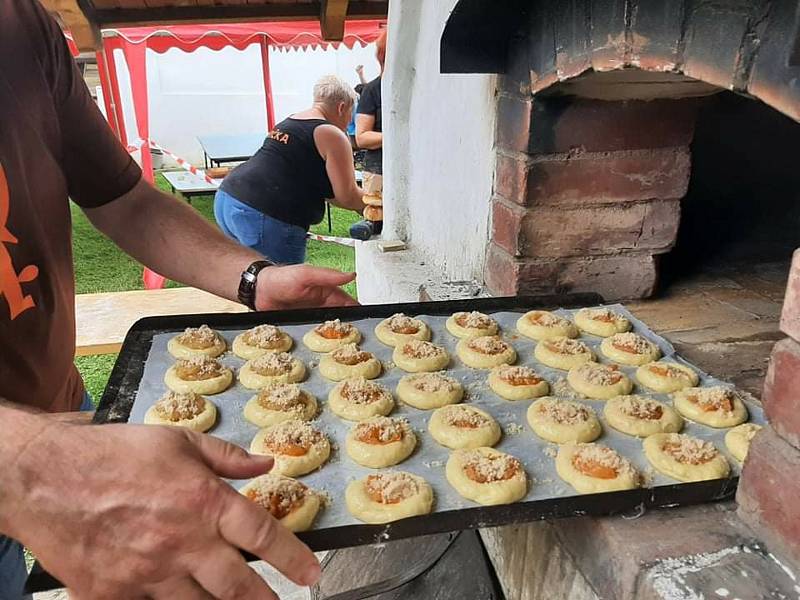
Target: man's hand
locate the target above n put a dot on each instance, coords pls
(124, 511)
(360, 69)
(302, 286)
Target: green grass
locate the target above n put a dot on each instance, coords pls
(102, 267)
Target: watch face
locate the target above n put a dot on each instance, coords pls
(249, 277)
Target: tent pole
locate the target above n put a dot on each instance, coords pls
(116, 98)
(267, 83)
(105, 85)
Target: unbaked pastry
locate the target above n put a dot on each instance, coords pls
(272, 367)
(544, 325)
(182, 409)
(197, 341)
(259, 340)
(417, 356)
(486, 476)
(738, 439)
(665, 377)
(380, 442)
(641, 416)
(485, 352)
(389, 496)
(349, 361)
(684, 457)
(296, 446)
(563, 353)
(400, 328)
(429, 390)
(330, 335)
(593, 468)
(629, 349)
(358, 399)
(199, 374)
(517, 383)
(460, 426)
(560, 421)
(602, 322)
(715, 406)
(599, 381)
(293, 504)
(278, 402)
(471, 324)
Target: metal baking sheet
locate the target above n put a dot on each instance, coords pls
(548, 495)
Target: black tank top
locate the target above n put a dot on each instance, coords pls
(286, 179)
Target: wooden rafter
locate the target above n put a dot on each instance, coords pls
(85, 33)
(332, 16)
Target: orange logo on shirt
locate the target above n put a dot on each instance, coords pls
(11, 281)
(278, 136)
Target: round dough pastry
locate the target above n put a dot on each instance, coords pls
(389, 496)
(259, 340)
(715, 406)
(641, 416)
(601, 322)
(543, 325)
(182, 409)
(517, 383)
(380, 442)
(197, 341)
(665, 377)
(629, 349)
(417, 356)
(487, 476)
(471, 324)
(296, 446)
(271, 367)
(294, 505)
(738, 439)
(459, 426)
(599, 381)
(563, 353)
(358, 399)
(429, 390)
(594, 468)
(684, 457)
(330, 335)
(349, 361)
(199, 374)
(485, 352)
(279, 402)
(400, 328)
(560, 421)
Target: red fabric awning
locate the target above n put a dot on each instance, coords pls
(289, 35)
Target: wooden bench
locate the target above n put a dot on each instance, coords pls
(104, 319)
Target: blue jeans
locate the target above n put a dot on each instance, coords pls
(13, 572)
(280, 242)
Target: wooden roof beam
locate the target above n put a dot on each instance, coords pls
(333, 14)
(85, 33)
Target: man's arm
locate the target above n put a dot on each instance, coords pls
(171, 238)
(366, 137)
(360, 71)
(147, 500)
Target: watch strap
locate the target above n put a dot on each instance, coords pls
(247, 284)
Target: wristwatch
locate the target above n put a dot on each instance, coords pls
(247, 284)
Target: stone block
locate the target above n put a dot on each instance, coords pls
(781, 397)
(790, 317)
(513, 123)
(511, 178)
(768, 493)
(713, 46)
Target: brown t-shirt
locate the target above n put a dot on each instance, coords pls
(54, 145)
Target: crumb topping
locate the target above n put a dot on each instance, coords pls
(420, 349)
(630, 342)
(179, 406)
(381, 430)
(749, 430)
(390, 488)
(639, 407)
(198, 368)
(599, 374)
(263, 336)
(544, 318)
(490, 467)
(361, 391)
(473, 320)
(564, 412)
(600, 462)
(198, 338)
(518, 375)
(668, 370)
(282, 397)
(464, 417)
(689, 450)
(291, 438)
(712, 399)
(432, 383)
(488, 344)
(603, 315)
(350, 355)
(566, 346)
(334, 330)
(279, 495)
(273, 364)
(400, 323)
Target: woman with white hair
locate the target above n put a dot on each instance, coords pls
(269, 202)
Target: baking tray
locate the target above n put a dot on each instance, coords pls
(143, 359)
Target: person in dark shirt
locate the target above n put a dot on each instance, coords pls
(269, 202)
